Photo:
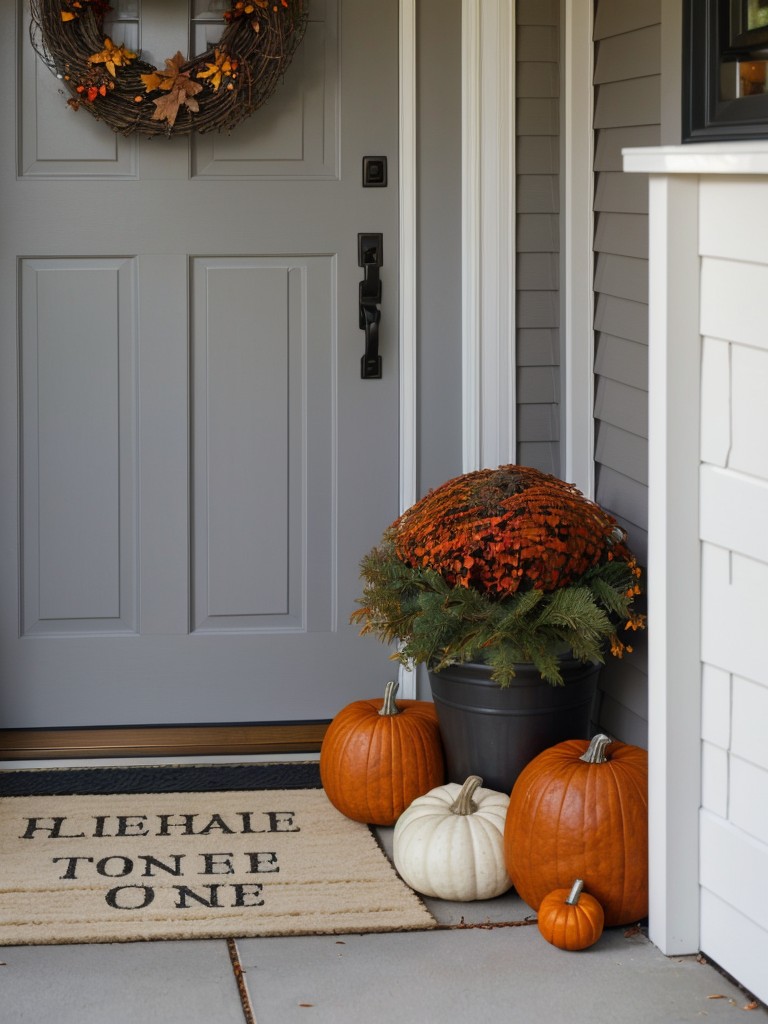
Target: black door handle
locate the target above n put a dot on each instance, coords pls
(370, 257)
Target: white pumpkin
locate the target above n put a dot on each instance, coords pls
(449, 843)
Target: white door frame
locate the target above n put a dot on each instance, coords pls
(488, 233)
(408, 280)
(408, 283)
(488, 238)
(577, 219)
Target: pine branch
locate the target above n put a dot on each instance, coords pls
(438, 624)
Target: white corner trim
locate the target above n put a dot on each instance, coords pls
(674, 566)
(577, 294)
(488, 233)
(408, 277)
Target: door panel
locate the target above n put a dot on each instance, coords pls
(300, 137)
(243, 389)
(78, 356)
(255, 381)
(56, 142)
(202, 467)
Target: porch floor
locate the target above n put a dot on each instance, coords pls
(486, 962)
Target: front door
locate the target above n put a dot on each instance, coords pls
(191, 464)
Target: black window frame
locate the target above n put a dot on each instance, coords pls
(713, 31)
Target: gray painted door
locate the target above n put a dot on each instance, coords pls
(200, 466)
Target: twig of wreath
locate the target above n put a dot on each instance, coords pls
(213, 91)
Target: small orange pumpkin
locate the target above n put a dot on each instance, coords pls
(571, 919)
(580, 810)
(378, 756)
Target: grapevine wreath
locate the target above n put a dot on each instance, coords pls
(213, 91)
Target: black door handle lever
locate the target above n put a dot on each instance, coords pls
(370, 257)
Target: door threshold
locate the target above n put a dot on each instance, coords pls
(269, 741)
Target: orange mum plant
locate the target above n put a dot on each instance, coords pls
(502, 566)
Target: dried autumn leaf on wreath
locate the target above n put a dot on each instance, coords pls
(71, 15)
(222, 68)
(154, 81)
(112, 56)
(177, 84)
(165, 79)
(183, 92)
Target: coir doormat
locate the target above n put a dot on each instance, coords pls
(99, 864)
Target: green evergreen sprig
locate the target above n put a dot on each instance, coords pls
(437, 624)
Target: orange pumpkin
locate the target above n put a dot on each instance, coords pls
(571, 920)
(580, 810)
(378, 756)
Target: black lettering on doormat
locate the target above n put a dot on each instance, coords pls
(134, 895)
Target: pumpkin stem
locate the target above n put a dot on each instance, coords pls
(464, 804)
(389, 707)
(595, 752)
(575, 894)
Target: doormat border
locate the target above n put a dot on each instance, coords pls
(197, 778)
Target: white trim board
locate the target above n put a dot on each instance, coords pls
(408, 282)
(674, 560)
(577, 261)
(674, 565)
(488, 233)
(699, 158)
(488, 238)
(408, 254)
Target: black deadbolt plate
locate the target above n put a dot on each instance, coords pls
(374, 172)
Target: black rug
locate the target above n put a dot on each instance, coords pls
(212, 778)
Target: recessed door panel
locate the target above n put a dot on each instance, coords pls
(78, 456)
